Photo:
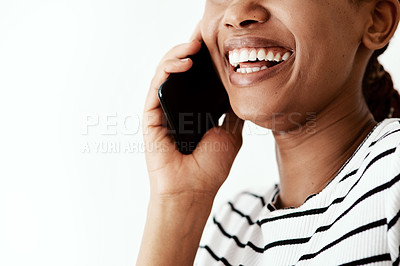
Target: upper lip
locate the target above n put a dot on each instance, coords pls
(253, 42)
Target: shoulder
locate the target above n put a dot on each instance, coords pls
(379, 163)
(386, 148)
(386, 132)
(377, 160)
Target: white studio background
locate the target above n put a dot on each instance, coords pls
(77, 195)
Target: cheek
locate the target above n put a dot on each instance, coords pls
(319, 24)
(326, 48)
(210, 23)
(209, 32)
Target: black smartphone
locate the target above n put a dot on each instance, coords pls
(193, 101)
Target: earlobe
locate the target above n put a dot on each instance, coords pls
(382, 24)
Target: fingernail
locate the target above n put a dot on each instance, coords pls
(184, 59)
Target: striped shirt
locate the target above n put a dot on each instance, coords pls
(353, 220)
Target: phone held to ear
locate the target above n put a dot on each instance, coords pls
(193, 101)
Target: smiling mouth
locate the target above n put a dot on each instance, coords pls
(251, 60)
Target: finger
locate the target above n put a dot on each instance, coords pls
(183, 50)
(196, 35)
(157, 137)
(153, 118)
(175, 61)
(233, 124)
(221, 145)
(157, 143)
(177, 66)
(231, 129)
(170, 66)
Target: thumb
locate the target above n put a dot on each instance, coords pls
(234, 125)
(221, 144)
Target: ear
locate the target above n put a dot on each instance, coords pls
(382, 24)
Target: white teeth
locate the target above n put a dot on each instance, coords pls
(244, 55)
(285, 56)
(261, 54)
(270, 56)
(235, 57)
(278, 57)
(250, 70)
(253, 55)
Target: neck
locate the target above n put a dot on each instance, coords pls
(311, 156)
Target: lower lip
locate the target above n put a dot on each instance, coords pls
(249, 79)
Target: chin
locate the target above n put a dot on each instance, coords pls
(256, 111)
(269, 115)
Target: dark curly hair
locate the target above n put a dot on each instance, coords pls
(382, 99)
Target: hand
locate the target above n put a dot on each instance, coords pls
(171, 173)
(183, 187)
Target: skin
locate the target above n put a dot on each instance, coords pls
(331, 41)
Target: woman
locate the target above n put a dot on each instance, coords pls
(338, 199)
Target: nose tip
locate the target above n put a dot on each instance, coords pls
(244, 14)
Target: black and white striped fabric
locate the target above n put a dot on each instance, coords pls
(354, 220)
